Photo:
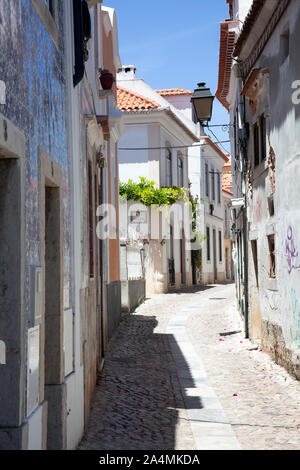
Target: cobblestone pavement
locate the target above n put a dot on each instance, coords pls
(139, 402)
(260, 399)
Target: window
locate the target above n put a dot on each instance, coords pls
(256, 144)
(171, 243)
(50, 4)
(82, 34)
(262, 127)
(284, 45)
(206, 180)
(180, 172)
(236, 135)
(213, 193)
(220, 247)
(47, 12)
(227, 220)
(169, 169)
(219, 187)
(272, 259)
(271, 205)
(259, 140)
(91, 224)
(208, 243)
(255, 260)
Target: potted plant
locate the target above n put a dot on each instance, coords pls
(106, 79)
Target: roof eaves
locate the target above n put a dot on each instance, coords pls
(227, 41)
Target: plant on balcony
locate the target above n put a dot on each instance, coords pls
(148, 193)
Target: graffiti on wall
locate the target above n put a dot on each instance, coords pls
(295, 327)
(291, 250)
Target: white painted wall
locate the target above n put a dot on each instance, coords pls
(150, 130)
(182, 103)
(133, 164)
(241, 9)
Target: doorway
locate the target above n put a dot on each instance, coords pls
(228, 277)
(100, 270)
(12, 275)
(215, 256)
(182, 258)
(54, 357)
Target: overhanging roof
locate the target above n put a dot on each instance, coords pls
(227, 39)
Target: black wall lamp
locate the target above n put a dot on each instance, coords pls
(202, 101)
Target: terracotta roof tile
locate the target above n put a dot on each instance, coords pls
(128, 100)
(174, 92)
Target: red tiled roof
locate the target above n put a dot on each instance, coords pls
(227, 176)
(227, 39)
(174, 92)
(128, 100)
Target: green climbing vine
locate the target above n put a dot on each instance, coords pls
(149, 193)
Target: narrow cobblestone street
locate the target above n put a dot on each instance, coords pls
(180, 375)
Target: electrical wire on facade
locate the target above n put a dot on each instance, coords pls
(218, 141)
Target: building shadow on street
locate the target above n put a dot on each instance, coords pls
(138, 394)
(199, 288)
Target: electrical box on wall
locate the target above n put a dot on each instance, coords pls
(36, 295)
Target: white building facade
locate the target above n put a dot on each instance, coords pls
(162, 135)
(205, 163)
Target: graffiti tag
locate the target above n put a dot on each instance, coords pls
(295, 328)
(291, 251)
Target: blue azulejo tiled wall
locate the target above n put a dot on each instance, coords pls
(33, 69)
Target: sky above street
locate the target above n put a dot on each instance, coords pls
(173, 44)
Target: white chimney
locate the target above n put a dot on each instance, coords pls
(126, 72)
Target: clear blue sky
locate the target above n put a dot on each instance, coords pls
(173, 44)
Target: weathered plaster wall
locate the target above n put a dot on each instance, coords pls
(279, 298)
(33, 69)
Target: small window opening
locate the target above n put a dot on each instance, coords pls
(255, 260)
(256, 144)
(272, 260)
(284, 45)
(271, 206)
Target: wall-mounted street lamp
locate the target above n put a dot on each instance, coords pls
(202, 101)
